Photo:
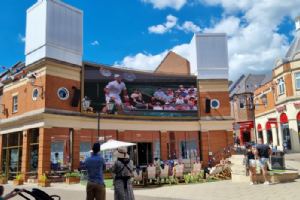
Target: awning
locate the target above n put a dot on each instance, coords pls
(284, 119)
(259, 127)
(114, 144)
(246, 125)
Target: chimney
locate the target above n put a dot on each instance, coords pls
(297, 23)
(54, 30)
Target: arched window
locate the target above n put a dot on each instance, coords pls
(269, 133)
(298, 122)
(260, 132)
(284, 122)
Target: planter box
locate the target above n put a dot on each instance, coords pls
(44, 183)
(107, 175)
(3, 181)
(18, 182)
(72, 180)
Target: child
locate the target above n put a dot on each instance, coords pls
(9, 195)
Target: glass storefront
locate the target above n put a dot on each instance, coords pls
(12, 154)
(33, 135)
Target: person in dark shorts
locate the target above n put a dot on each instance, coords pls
(264, 152)
(251, 162)
(95, 189)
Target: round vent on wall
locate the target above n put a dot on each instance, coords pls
(215, 104)
(63, 93)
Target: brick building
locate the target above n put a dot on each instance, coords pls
(278, 121)
(41, 100)
(243, 107)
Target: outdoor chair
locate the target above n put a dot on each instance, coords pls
(179, 169)
(164, 174)
(137, 178)
(151, 174)
(196, 169)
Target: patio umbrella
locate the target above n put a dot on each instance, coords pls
(114, 144)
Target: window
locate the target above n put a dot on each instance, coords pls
(35, 94)
(281, 87)
(242, 102)
(297, 80)
(15, 104)
(63, 93)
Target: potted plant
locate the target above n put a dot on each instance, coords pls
(3, 179)
(44, 181)
(108, 174)
(19, 180)
(72, 177)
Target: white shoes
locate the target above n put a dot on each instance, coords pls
(251, 183)
(267, 183)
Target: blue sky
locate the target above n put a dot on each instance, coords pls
(119, 32)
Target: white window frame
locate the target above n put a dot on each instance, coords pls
(281, 86)
(297, 79)
(15, 105)
(242, 101)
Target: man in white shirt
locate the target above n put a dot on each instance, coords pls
(114, 89)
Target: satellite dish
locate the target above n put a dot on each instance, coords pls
(129, 76)
(105, 72)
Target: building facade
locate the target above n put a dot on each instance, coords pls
(278, 121)
(242, 106)
(43, 120)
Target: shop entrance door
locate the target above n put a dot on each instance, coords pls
(246, 137)
(144, 154)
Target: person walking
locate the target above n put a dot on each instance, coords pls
(251, 163)
(122, 173)
(95, 189)
(264, 153)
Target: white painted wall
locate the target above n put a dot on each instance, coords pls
(54, 30)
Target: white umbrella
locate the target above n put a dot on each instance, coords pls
(114, 144)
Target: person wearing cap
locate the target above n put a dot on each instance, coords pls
(122, 173)
(114, 88)
(95, 165)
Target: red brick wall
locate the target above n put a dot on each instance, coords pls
(223, 97)
(52, 85)
(25, 102)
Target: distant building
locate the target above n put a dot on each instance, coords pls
(242, 105)
(278, 122)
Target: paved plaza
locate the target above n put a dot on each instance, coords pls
(208, 191)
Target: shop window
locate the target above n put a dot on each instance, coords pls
(57, 155)
(85, 148)
(12, 154)
(281, 86)
(297, 80)
(33, 135)
(15, 104)
(188, 149)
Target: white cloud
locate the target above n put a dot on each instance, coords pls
(230, 25)
(254, 42)
(189, 26)
(162, 4)
(146, 61)
(21, 38)
(165, 27)
(171, 23)
(95, 43)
